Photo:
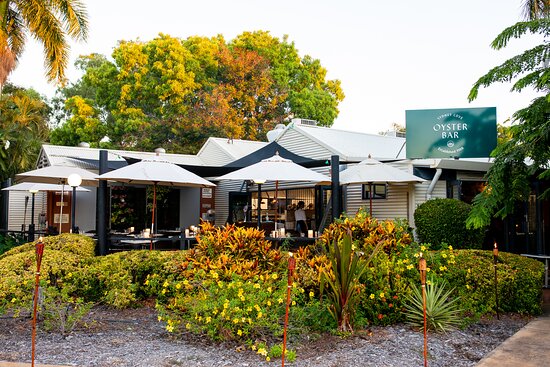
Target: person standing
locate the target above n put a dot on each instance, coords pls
(300, 216)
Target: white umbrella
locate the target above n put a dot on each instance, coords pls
(156, 172)
(275, 169)
(370, 171)
(28, 186)
(58, 175)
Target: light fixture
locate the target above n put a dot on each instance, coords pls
(74, 181)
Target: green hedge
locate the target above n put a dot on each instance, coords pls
(441, 222)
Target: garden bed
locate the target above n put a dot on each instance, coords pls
(134, 337)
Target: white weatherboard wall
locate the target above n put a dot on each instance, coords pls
(301, 145)
(223, 189)
(394, 206)
(17, 216)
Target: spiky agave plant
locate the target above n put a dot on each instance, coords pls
(343, 280)
(442, 311)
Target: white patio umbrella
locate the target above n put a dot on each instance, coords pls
(28, 186)
(371, 171)
(275, 169)
(58, 175)
(156, 172)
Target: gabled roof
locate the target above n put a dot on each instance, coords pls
(349, 145)
(87, 158)
(220, 151)
(266, 152)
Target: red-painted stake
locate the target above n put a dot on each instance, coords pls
(39, 253)
(291, 267)
(495, 260)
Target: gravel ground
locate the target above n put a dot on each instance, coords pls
(135, 338)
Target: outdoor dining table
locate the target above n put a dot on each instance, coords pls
(293, 241)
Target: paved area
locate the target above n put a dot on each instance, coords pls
(529, 347)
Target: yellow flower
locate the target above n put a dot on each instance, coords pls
(311, 294)
(422, 248)
(444, 255)
(188, 326)
(269, 303)
(159, 318)
(280, 300)
(381, 294)
(262, 351)
(242, 298)
(235, 320)
(260, 314)
(178, 286)
(267, 358)
(410, 266)
(169, 328)
(442, 268)
(220, 284)
(214, 274)
(166, 284)
(256, 286)
(428, 269)
(253, 347)
(371, 296)
(13, 300)
(239, 332)
(208, 319)
(186, 282)
(269, 289)
(293, 303)
(274, 276)
(450, 248)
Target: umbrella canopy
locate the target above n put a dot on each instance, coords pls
(276, 168)
(28, 186)
(57, 175)
(156, 172)
(371, 170)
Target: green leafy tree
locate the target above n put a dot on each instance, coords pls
(529, 136)
(50, 22)
(23, 129)
(176, 93)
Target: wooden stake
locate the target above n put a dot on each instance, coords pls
(291, 267)
(495, 260)
(423, 268)
(39, 253)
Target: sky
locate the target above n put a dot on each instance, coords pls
(389, 56)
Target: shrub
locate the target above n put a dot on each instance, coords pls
(343, 280)
(442, 312)
(443, 221)
(122, 279)
(64, 257)
(9, 241)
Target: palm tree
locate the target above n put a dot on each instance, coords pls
(535, 9)
(50, 22)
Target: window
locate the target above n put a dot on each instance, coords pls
(378, 191)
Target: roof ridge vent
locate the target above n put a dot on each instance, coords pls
(307, 122)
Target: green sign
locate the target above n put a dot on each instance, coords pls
(451, 133)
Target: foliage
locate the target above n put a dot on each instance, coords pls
(49, 22)
(61, 312)
(343, 280)
(122, 279)
(508, 178)
(442, 312)
(443, 221)
(64, 257)
(23, 129)
(9, 241)
(177, 93)
(396, 235)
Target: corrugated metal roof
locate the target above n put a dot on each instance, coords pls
(234, 148)
(62, 155)
(351, 145)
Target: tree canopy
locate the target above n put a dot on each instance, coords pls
(50, 22)
(526, 154)
(23, 129)
(176, 93)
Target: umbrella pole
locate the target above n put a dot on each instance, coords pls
(259, 205)
(61, 208)
(153, 214)
(276, 203)
(370, 198)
